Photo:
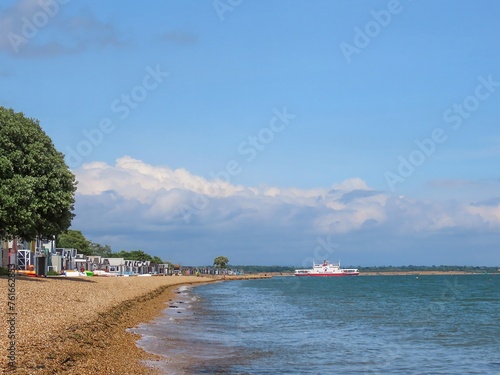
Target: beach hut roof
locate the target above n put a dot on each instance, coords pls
(114, 261)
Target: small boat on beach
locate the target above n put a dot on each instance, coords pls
(326, 269)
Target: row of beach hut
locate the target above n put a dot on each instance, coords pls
(42, 257)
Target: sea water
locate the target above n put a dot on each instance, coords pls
(353, 325)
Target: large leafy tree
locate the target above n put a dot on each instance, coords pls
(36, 186)
(74, 239)
(136, 255)
(221, 262)
(98, 249)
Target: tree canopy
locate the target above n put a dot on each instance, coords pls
(74, 239)
(103, 251)
(221, 262)
(37, 188)
(136, 255)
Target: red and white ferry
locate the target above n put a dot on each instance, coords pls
(327, 269)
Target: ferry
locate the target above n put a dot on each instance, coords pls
(327, 269)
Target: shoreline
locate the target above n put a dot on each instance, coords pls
(84, 330)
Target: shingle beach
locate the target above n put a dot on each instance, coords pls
(78, 325)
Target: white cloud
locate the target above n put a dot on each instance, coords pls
(489, 215)
(145, 205)
(142, 179)
(351, 184)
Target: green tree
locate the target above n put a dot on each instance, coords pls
(132, 255)
(136, 255)
(37, 188)
(74, 239)
(221, 262)
(139, 255)
(157, 260)
(97, 249)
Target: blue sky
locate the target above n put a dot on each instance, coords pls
(270, 132)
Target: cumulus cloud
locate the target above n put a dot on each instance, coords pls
(133, 203)
(169, 193)
(41, 28)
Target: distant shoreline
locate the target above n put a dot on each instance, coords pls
(421, 273)
(400, 273)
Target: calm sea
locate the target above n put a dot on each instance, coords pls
(366, 324)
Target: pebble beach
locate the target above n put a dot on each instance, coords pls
(79, 325)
